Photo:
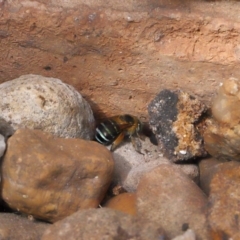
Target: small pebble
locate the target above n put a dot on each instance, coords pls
(222, 135)
(2, 145)
(125, 202)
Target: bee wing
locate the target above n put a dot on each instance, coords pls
(124, 126)
(121, 122)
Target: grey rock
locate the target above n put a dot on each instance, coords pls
(17, 227)
(102, 223)
(130, 165)
(188, 235)
(2, 145)
(37, 102)
(5, 128)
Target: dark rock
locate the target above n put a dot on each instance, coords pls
(175, 119)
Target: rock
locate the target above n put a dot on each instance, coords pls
(167, 197)
(16, 227)
(2, 146)
(224, 198)
(130, 165)
(48, 104)
(175, 119)
(207, 169)
(5, 132)
(125, 202)
(222, 136)
(101, 223)
(50, 178)
(224, 106)
(5, 129)
(188, 235)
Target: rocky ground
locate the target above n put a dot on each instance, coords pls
(118, 57)
(74, 188)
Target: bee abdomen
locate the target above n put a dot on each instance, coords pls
(106, 132)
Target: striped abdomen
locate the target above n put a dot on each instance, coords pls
(107, 132)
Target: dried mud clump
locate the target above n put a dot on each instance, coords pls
(176, 118)
(222, 135)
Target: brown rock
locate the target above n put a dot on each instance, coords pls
(175, 117)
(125, 202)
(169, 198)
(50, 178)
(16, 227)
(102, 223)
(207, 168)
(222, 136)
(224, 201)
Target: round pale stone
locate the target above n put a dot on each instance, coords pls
(37, 102)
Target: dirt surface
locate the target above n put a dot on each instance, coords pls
(119, 56)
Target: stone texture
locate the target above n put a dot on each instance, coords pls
(169, 198)
(48, 104)
(2, 146)
(188, 235)
(147, 46)
(130, 166)
(224, 202)
(102, 223)
(125, 202)
(222, 136)
(15, 227)
(5, 132)
(5, 129)
(50, 178)
(175, 118)
(207, 169)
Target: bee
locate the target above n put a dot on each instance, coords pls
(113, 130)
